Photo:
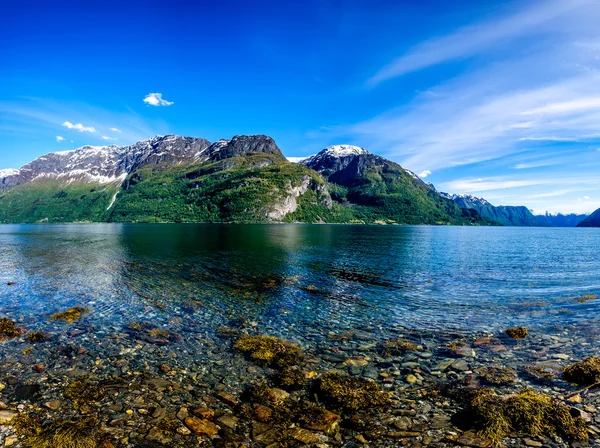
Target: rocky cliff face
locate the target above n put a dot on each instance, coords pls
(106, 164)
(240, 146)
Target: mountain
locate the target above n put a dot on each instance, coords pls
(560, 220)
(506, 215)
(378, 189)
(592, 220)
(245, 179)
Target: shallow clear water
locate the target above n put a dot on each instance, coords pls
(299, 279)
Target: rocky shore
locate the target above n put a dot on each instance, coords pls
(150, 385)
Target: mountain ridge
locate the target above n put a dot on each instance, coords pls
(245, 179)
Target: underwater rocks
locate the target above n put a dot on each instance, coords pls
(70, 315)
(584, 373)
(517, 332)
(9, 329)
(269, 350)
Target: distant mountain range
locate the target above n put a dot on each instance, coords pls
(245, 179)
(592, 220)
(560, 220)
(503, 214)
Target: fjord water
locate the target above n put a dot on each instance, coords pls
(301, 281)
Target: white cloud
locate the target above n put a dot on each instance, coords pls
(115, 130)
(586, 197)
(548, 139)
(106, 137)
(59, 138)
(424, 174)
(156, 99)
(79, 127)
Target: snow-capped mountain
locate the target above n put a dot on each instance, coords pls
(107, 164)
(466, 200)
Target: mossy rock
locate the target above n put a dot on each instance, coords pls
(517, 332)
(397, 347)
(9, 329)
(584, 373)
(350, 393)
(497, 376)
(269, 351)
(290, 378)
(82, 392)
(37, 336)
(84, 433)
(71, 315)
(526, 412)
(151, 334)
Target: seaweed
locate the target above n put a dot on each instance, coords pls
(350, 393)
(526, 412)
(84, 433)
(81, 392)
(584, 373)
(9, 330)
(269, 351)
(71, 315)
(517, 332)
(291, 378)
(37, 336)
(497, 376)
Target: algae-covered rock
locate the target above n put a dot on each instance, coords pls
(585, 373)
(397, 347)
(37, 336)
(63, 434)
(517, 332)
(269, 351)
(525, 412)
(291, 378)
(82, 392)
(9, 330)
(71, 315)
(497, 376)
(350, 393)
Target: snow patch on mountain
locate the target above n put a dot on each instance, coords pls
(8, 172)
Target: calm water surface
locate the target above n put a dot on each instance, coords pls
(295, 280)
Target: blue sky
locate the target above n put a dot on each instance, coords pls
(496, 99)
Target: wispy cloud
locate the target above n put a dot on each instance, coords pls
(79, 127)
(423, 174)
(59, 138)
(116, 130)
(156, 99)
(475, 39)
(106, 137)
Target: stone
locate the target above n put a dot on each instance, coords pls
(10, 440)
(182, 413)
(411, 379)
(228, 420)
(6, 416)
(201, 426)
(277, 396)
(575, 399)
(471, 439)
(53, 405)
(304, 436)
(533, 443)
(203, 412)
(227, 398)
(403, 434)
(158, 435)
(460, 365)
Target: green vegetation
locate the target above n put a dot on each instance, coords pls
(250, 189)
(231, 190)
(56, 201)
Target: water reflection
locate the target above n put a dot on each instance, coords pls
(300, 277)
